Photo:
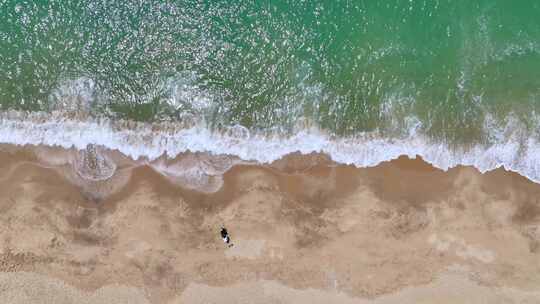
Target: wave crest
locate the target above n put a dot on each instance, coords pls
(512, 149)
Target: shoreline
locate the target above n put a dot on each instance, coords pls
(146, 142)
(304, 229)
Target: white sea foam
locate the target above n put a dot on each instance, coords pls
(73, 95)
(196, 171)
(513, 151)
(182, 91)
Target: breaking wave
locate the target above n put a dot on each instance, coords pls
(151, 143)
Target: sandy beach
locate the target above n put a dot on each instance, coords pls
(304, 229)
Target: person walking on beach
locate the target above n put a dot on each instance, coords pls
(225, 236)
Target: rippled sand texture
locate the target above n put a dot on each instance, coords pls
(94, 226)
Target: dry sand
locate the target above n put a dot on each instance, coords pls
(304, 231)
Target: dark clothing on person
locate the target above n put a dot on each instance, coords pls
(224, 233)
(225, 236)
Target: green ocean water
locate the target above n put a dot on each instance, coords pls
(452, 69)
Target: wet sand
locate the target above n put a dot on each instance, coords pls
(305, 230)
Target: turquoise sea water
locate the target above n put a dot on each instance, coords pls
(460, 73)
